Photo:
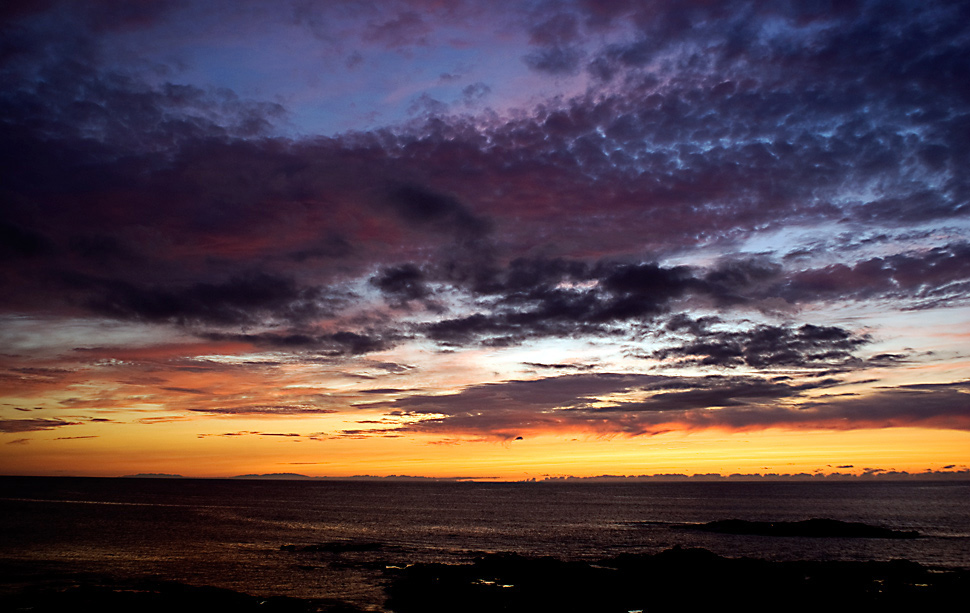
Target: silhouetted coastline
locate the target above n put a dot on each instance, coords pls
(152, 596)
(676, 579)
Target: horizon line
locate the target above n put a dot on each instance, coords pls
(880, 475)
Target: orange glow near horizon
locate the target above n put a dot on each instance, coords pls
(259, 445)
(156, 409)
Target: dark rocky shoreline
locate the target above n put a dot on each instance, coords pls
(154, 596)
(674, 580)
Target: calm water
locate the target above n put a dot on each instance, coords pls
(229, 533)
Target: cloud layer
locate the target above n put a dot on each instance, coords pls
(695, 194)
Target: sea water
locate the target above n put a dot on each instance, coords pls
(344, 534)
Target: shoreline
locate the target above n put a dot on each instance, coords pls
(674, 579)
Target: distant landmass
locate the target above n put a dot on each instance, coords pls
(878, 475)
(300, 477)
(868, 475)
(281, 476)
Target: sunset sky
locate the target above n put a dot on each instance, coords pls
(484, 238)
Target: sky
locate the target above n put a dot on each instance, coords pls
(484, 239)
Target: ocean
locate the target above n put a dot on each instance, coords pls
(337, 539)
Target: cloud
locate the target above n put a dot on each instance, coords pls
(423, 207)
(736, 280)
(405, 282)
(624, 211)
(542, 297)
(555, 60)
(263, 409)
(17, 242)
(575, 402)
(579, 367)
(475, 93)
(683, 154)
(331, 344)
(649, 404)
(404, 30)
(534, 298)
(935, 277)
(561, 28)
(249, 299)
(32, 425)
(557, 38)
(107, 114)
(290, 435)
(768, 346)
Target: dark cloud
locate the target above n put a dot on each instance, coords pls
(938, 276)
(107, 115)
(32, 425)
(184, 390)
(539, 297)
(561, 297)
(539, 395)
(737, 280)
(686, 323)
(424, 207)
(725, 147)
(263, 409)
(18, 242)
(642, 289)
(251, 299)
(596, 402)
(354, 344)
(405, 282)
(715, 392)
(256, 433)
(342, 343)
(579, 367)
(557, 37)
(767, 346)
(427, 106)
(329, 247)
(555, 60)
(721, 133)
(474, 93)
(645, 404)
